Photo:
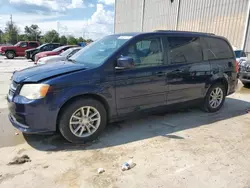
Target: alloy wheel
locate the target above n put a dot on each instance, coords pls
(216, 97)
(85, 121)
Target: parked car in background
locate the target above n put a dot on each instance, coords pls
(18, 50)
(30, 54)
(56, 51)
(244, 73)
(112, 78)
(240, 56)
(57, 58)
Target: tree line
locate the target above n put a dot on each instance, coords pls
(12, 35)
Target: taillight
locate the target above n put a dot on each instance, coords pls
(236, 66)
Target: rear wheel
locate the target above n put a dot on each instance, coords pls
(83, 120)
(10, 54)
(215, 98)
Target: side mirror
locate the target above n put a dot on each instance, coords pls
(125, 63)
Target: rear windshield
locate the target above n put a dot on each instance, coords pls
(239, 53)
(218, 49)
(59, 49)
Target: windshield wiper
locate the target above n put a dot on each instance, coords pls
(72, 60)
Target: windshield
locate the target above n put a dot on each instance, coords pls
(67, 52)
(17, 44)
(59, 49)
(41, 46)
(96, 53)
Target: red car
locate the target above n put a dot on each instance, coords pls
(18, 50)
(56, 51)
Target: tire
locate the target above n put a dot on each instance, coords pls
(33, 58)
(10, 54)
(246, 84)
(68, 124)
(210, 106)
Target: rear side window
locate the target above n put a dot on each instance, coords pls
(56, 46)
(33, 44)
(184, 50)
(23, 44)
(217, 49)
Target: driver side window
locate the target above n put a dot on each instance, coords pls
(146, 53)
(46, 48)
(23, 44)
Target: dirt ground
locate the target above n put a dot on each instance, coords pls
(182, 149)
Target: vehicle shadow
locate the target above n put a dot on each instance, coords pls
(144, 128)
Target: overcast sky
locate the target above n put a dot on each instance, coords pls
(89, 18)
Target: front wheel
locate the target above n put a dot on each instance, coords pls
(215, 98)
(82, 120)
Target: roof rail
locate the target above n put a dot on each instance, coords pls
(178, 31)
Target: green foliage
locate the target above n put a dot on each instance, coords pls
(23, 37)
(1, 36)
(89, 40)
(11, 33)
(63, 40)
(80, 39)
(72, 40)
(33, 32)
(51, 36)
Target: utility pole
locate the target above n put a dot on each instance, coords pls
(178, 15)
(142, 15)
(11, 28)
(11, 22)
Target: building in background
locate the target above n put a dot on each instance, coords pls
(229, 18)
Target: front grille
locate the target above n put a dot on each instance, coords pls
(27, 54)
(19, 119)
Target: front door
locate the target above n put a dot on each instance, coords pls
(143, 86)
(188, 72)
(21, 49)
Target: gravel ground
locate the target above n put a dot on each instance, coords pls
(183, 149)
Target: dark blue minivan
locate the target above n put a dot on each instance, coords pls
(120, 75)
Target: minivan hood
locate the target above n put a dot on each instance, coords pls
(38, 73)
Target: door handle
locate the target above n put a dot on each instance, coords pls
(160, 74)
(230, 64)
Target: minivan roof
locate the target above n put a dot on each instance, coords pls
(185, 33)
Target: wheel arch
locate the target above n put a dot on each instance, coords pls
(10, 50)
(220, 79)
(97, 97)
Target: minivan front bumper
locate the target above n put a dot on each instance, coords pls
(31, 116)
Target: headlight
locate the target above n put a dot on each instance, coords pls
(34, 91)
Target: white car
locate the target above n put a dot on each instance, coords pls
(56, 58)
(240, 56)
